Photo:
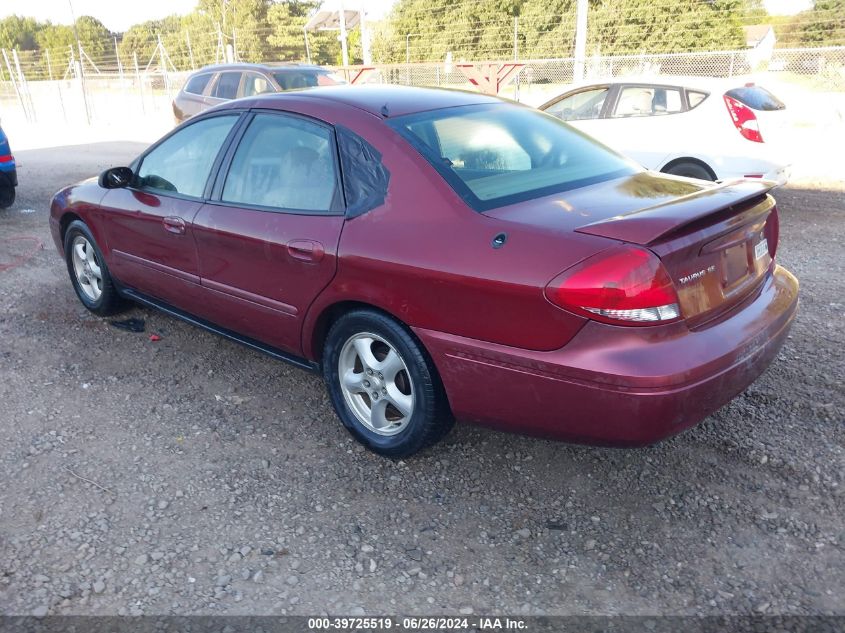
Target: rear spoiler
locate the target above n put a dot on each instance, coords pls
(649, 224)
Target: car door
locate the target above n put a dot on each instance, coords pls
(149, 225)
(224, 88)
(583, 108)
(267, 240)
(645, 122)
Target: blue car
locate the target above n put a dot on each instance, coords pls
(8, 173)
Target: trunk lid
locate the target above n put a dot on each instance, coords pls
(716, 241)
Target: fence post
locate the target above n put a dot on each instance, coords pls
(190, 50)
(731, 67)
(138, 79)
(58, 85)
(119, 65)
(15, 84)
(29, 108)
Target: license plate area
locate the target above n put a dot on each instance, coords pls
(735, 265)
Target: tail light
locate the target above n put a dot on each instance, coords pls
(744, 119)
(772, 231)
(624, 285)
(6, 158)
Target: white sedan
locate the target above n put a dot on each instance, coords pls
(710, 129)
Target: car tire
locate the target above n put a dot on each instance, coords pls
(89, 273)
(690, 169)
(383, 385)
(7, 196)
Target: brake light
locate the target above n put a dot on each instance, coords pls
(624, 285)
(744, 119)
(6, 158)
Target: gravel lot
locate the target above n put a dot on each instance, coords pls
(194, 476)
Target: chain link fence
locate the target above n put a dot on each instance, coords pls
(35, 89)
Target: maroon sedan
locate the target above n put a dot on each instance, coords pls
(443, 255)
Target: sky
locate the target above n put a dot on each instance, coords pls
(119, 15)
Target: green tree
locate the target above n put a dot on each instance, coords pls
(824, 24)
(17, 32)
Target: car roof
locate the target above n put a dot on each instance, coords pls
(684, 81)
(387, 100)
(269, 67)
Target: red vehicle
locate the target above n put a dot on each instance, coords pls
(443, 255)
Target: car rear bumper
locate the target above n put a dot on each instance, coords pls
(624, 386)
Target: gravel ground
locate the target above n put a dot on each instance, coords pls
(194, 476)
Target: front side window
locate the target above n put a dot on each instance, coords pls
(283, 162)
(296, 79)
(494, 155)
(256, 85)
(182, 163)
(580, 106)
(637, 101)
(196, 85)
(227, 86)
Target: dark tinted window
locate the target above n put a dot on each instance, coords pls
(227, 86)
(501, 154)
(757, 98)
(182, 163)
(636, 101)
(196, 85)
(291, 80)
(283, 162)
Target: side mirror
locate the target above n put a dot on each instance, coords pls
(116, 178)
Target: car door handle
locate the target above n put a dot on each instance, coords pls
(173, 224)
(306, 250)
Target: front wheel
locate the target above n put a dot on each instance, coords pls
(383, 386)
(89, 273)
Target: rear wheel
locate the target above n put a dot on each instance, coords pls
(383, 386)
(7, 196)
(690, 169)
(89, 273)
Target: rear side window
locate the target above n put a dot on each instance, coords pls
(756, 98)
(647, 101)
(695, 98)
(283, 162)
(196, 85)
(227, 86)
(493, 155)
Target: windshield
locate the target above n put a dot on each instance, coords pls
(499, 154)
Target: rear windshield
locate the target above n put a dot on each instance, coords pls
(494, 155)
(291, 80)
(757, 98)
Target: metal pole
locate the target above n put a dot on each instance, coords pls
(580, 40)
(343, 47)
(190, 50)
(30, 109)
(15, 83)
(307, 46)
(234, 47)
(366, 56)
(407, 48)
(138, 79)
(58, 85)
(163, 66)
(80, 68)
(515, 39)
(119, 65)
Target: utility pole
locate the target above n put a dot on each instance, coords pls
(307, 46)
(580, 40)
(343, 47)
(119, 64)
(190, 50)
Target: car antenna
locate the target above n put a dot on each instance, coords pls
(384, 111)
